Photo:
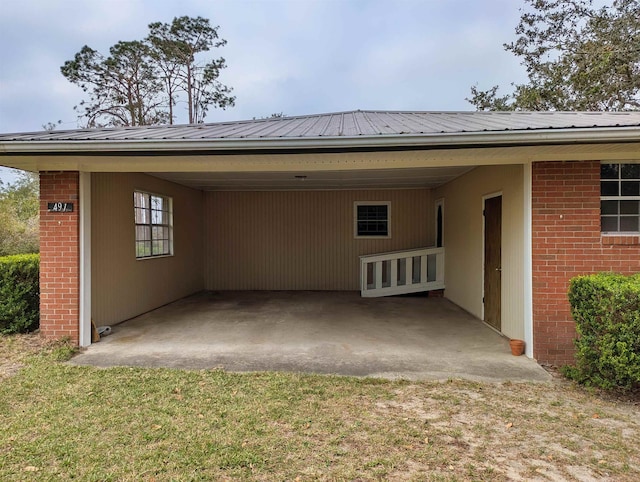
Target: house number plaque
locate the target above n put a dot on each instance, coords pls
(60, 207)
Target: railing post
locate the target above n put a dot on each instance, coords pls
(440, 266)
(393, 272)
(378, 278)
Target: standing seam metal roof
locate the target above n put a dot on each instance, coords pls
(348, 124)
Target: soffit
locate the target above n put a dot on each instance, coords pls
(305, 180)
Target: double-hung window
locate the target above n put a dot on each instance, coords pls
(620, 198)
(372, 219)
(154, 224)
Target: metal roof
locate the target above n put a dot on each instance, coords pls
(363, 124)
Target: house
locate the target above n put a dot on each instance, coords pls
(500, 209)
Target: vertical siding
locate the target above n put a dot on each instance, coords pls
(123, 287)
(302, 240)
(463, 231)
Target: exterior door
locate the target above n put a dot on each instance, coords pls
(492, 260)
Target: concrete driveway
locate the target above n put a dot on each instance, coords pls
(318, 332)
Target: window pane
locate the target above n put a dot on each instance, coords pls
(156, 203)
(160, 232)
(156, 217)
(609, 224)
(143, 249)
(629, 207)
(609, 188)
(630, 171)
(372, 212)
(631, 188)
(609, 171)
(629, 223)
(609, 207)
(143, 233)
(142, 216)
(140, 199)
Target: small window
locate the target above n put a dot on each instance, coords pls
(620, 198)
(372, 219)
(154, 225)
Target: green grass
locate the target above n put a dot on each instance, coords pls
(62, 422)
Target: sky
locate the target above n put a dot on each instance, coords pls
(292, 56)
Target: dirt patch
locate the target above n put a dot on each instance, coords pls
(16, 349)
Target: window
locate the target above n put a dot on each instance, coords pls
(620, 198)
(154, 225)
(372, 219)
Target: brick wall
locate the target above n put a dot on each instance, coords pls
(566, 242)
(59, 257)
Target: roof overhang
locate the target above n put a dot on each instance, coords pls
(533, 137)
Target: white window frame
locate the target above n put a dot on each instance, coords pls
(619, 197)
(355, 219)
(147, 212)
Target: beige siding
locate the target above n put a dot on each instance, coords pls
(463, 231)
(302, 240)
(123, 287)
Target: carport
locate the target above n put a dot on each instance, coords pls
(340, 333)
(134, 218)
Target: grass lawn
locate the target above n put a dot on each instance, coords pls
(63, 422)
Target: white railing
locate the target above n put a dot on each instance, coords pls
(399, 272)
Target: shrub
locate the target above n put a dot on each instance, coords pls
(606, 308)
(19, 293)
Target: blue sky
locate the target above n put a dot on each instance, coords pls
(292, 56)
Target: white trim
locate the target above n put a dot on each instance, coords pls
(438, 203)
(484, 199)
(480, 138)
(85, 258)
(371, 203)
(527, 271)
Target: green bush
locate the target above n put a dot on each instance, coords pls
(606, 308)
(19, 293)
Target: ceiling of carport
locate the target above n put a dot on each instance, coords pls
(357, 179)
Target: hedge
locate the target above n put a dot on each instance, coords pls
(19, 293)
(606, 308)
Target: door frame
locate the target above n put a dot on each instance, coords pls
(484, 200)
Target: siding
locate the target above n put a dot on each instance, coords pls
(302, 240)
(463, 240)
(123, 287)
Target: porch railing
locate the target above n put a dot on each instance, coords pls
(399, 272)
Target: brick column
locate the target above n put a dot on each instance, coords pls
(566, 242)
(59, 257)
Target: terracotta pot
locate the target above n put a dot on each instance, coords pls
(517, 347)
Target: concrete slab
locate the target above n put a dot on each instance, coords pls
(318, 332)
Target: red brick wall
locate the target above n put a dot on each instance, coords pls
(59, 257)
(566, 242)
